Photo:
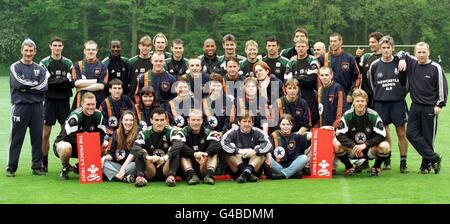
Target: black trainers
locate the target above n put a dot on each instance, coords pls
(209, 180)
(64, 175)
(252, 178)
(243, 177)
(10, 173)
(38, 172)
(129, 179)
(277, 176)
(193, 180)
(387, 164)
(437, 165)
(75, 169)
(403, 167)
(45, 169)
(306, 171)
(364, 165)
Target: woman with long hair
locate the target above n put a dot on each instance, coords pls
(117, 164)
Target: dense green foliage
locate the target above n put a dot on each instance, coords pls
(194, 20)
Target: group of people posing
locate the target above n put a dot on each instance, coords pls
(161, 115)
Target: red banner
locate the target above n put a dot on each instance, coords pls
(89, 161)
(321, 162)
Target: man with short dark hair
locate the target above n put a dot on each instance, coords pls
(210, 61)
(28, 84)
(345, 69)
(114, 105)
(276, 62)
(176, 65)
(140, 64)
(117, 66)
(229, 45)
(365, 60)
(57, 97)
(245, 148)
(157, 150)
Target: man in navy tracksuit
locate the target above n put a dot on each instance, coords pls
(429, 90)
(28, 83)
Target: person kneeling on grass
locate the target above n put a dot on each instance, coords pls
(83, 119)
(361, 134)
(199, 153)
(118, 163)
(157, 150)
(245, 149)
(288, 158)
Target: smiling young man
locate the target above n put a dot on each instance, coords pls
(389, 89)
(361, 134)
(84, 119)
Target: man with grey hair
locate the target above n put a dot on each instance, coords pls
(28, 84)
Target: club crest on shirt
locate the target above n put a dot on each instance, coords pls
(212, 121)
(179, 121)
(165, 86)
(345, 66)
(279, 152)
(113, 122)
(380, 75)
(330, 99)
(360, 137)
(291, 145)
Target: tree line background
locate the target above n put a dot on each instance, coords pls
(408, 21)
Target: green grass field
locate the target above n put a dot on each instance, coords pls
(390, 187)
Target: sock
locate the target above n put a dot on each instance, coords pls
(140, 166)
(174, 163)
(241, 167)
(45, 161)
(210, 171)
(249, 170)
(378, 162)
(190, 172)
(402, 158)
(346, 161)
